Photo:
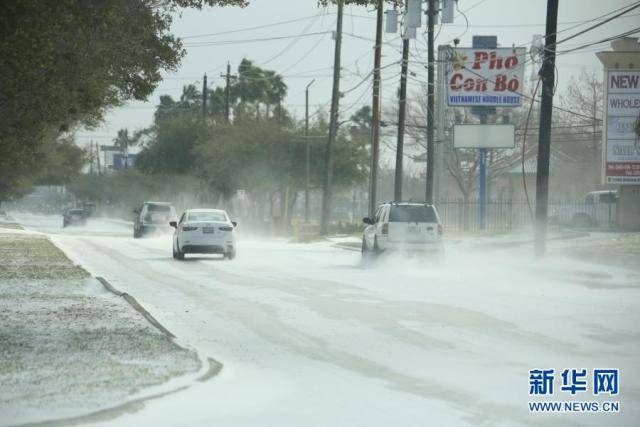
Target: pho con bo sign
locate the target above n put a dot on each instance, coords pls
(621, 148)
(485, 77)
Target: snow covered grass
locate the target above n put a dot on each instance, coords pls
(35, 257)
(617, 249)
(67, 346)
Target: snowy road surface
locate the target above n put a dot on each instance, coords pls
(309, 337)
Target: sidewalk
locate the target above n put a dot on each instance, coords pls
(68, 347)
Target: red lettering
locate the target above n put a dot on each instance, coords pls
(480, 58)
(469, 84)
(511, 62)
(513, 85)
(501, 83)
(454, 83)
(495, 62)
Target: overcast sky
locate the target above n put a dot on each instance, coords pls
(216, 35)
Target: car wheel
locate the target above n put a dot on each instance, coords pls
(367, 254)
(136, 233)
(230, 255)
(179, 255)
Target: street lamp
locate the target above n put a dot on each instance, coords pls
(307, 152)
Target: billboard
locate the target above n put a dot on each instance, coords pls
(621, 148)
(484, 136)
(485, 77)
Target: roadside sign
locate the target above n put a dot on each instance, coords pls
(621, 148)
(484, 136)
(485, 77)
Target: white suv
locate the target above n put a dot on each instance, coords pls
(403, 226)
(152, 217)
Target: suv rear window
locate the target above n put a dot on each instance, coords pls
(158, 208)
(412, 213)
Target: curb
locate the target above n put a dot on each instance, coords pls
(346, 247)
(214, 366)
(136, 305)
(105, 415)
(505, 245)
(130, 407)
(210, 368)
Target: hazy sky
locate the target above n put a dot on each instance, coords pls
(216, 35)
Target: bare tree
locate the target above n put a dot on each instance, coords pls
(584, 96)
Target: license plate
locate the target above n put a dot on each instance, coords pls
(207, 230)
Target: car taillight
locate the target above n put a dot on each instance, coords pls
(385, 228)
(226, 228)
(440, 229)
(188, 228)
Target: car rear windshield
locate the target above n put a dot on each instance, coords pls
(76, 211)
(412, 213)
(158, 208)
(206, 216)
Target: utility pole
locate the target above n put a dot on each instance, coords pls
(333, 126)
(430, 116)
(92, 154)
(402, 108)
(544, 142)
(440, 116)
(98, 157)
(307, 154)
(204, 96)
(227, 93)
(375, 119)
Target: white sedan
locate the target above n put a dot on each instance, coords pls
(204, 231)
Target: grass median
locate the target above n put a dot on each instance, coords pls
(68, 347)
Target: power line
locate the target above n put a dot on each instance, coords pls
(292, 43)
(258, 27)
(626, 33)
(254, 40)
(586, 30)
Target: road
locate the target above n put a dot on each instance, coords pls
(309, 336)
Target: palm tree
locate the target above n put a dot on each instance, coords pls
(123, 142)
(276, 90)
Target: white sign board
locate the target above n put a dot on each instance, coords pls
(621, 148)
(485, 77)
(484, 136)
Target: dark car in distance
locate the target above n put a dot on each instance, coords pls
(73, 216)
